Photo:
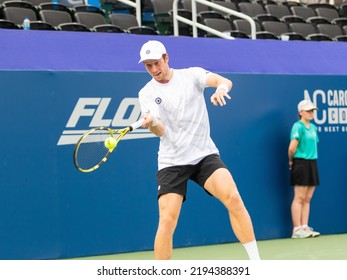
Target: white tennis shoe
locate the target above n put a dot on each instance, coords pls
(301, 233)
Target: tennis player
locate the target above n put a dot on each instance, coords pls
(174, 109)
(303, 154)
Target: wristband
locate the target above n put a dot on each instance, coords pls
(223, 86)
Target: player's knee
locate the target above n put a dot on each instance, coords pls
(168, 223)
(234, 201)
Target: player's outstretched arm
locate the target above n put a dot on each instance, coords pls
(222, 85)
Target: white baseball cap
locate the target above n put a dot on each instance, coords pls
(152, 50)
(306, 105)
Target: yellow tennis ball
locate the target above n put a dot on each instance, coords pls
(110, 143)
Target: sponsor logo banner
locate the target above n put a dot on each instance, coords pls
(94, 112)
(332, 114)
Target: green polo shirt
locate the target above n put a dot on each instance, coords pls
(308, 139)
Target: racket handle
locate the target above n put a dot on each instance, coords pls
(136, 125)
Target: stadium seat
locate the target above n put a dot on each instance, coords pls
(343, 9)
(73, 26)
(209, 14)
(251, 9)
(266, 17)
(18, 14)
(277, 28)
(161, 7)
(237, 34)
(302, 11)
(36, 3)
(318, 37)
(302, 28)
(327, 13)
(329, 29)
(163, 18)
(318, 20)
(278, 11)
(108, 28)
(142, 30)
(292, 36)
(88, 9)
(18, 4)
(266, 35)
(218, 24)
(50, 6)
(244, 26)
(40, 25)
(124, 21)
(55, 17)
(314, 6)
(225, 4)
(7, 24)
(341, 38)
(187, 5)
(290, 4)
(292, 18)
(340, 21)
(90, 19)
(265, 2)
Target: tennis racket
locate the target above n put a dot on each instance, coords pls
(91, 150)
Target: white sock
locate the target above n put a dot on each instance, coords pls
(252, 250)
(296, 228)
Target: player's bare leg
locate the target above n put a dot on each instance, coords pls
(221, 185)
(169, 209)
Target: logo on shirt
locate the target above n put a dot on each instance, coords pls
(158, 100)
(332, 114)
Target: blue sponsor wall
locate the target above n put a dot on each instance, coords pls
(50, 210)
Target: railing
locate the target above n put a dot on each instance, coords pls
(137, 6)
(196, 25)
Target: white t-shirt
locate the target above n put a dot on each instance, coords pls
(180, 104)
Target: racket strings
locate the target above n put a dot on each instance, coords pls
(91, 150)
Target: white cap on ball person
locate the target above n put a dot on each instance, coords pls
(152, 50)
(306, 105)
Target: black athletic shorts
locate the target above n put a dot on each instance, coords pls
(304, 173)
(174, 179)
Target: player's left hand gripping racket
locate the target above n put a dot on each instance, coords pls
(91, 151)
